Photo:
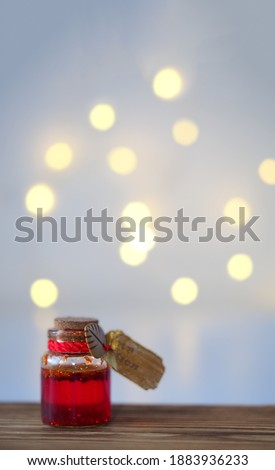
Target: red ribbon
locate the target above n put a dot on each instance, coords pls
(68, 346)
(72, 346)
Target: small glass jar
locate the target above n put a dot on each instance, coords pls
(75, 386)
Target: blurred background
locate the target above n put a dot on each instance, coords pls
(164, 104)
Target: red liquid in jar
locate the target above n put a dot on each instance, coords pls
(75, 398)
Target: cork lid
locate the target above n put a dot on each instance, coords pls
(72, 323)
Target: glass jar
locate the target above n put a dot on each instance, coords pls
(75, 386)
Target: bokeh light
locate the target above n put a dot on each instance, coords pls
(184, 290)
(40, 196)
(148, 243)
(168, 83)
(185, 132)
(240, 267)
(44, 293)
(135, 252)
(59, 156)
(136, 210)
(122, 160)
(231, 209)
(129, 255)
(267, 171)
(102, 117)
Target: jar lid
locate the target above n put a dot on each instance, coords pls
(72, 323)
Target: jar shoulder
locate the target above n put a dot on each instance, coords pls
(77, 361)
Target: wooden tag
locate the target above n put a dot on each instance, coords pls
(133, 361)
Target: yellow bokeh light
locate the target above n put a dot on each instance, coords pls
(267, 171)
(122, 160)
(232, 207)
(129, 255)
(59, 156)
(240, 267)
(44, 293)
(40, 196)
(185, 132)
(184, 290)
(102, 117)
(146, 245)
(136, 210)
(168, 84)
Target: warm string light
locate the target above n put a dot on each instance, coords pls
(44, 293)
(137, 210)
(59, 156)
(130, 256)
(122, 160)
(40, 196)
(168, 84)
(267, 171)
(184, 290)
(102, 117)
(232, 209)
(185, 132)
(135, 252)
(240, 267)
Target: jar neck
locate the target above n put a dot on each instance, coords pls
(67, 342)
(68, 347)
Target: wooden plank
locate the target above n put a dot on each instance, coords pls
(144, 427)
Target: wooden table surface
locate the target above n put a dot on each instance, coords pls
(144, 427)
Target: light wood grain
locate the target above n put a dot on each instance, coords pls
(144, 427)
